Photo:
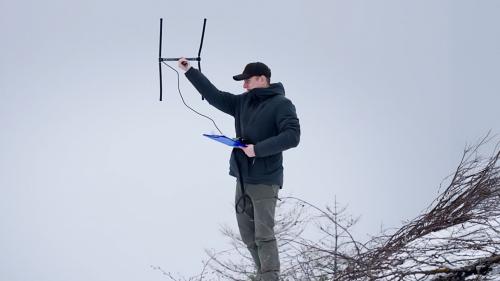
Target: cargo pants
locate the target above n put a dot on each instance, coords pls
(256, 225)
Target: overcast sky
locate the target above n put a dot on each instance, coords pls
(99, 180)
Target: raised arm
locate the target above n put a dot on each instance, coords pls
(224, 101)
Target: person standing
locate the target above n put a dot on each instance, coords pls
(267, 122)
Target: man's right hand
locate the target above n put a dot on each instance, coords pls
(184, 64)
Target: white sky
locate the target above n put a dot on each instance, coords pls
(99, 180)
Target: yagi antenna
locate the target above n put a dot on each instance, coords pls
(160, 59)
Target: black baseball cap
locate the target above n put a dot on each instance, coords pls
(253, 69)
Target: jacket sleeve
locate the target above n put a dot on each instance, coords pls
(288, 136)
(225, 102)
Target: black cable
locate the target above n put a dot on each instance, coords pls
(244, 198)
(182, 98)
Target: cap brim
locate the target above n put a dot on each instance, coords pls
(240, 77)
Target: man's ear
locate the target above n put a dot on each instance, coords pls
(262, 79)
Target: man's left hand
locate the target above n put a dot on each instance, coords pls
(249, 151)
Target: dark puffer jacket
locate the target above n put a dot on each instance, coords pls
(263, 117)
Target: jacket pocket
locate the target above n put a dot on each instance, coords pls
(273, 163)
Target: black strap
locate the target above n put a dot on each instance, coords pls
(244, 198)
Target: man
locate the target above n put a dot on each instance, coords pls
(267, 122)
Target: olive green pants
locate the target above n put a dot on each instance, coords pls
(256, 225)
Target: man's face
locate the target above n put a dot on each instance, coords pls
(255, 82)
